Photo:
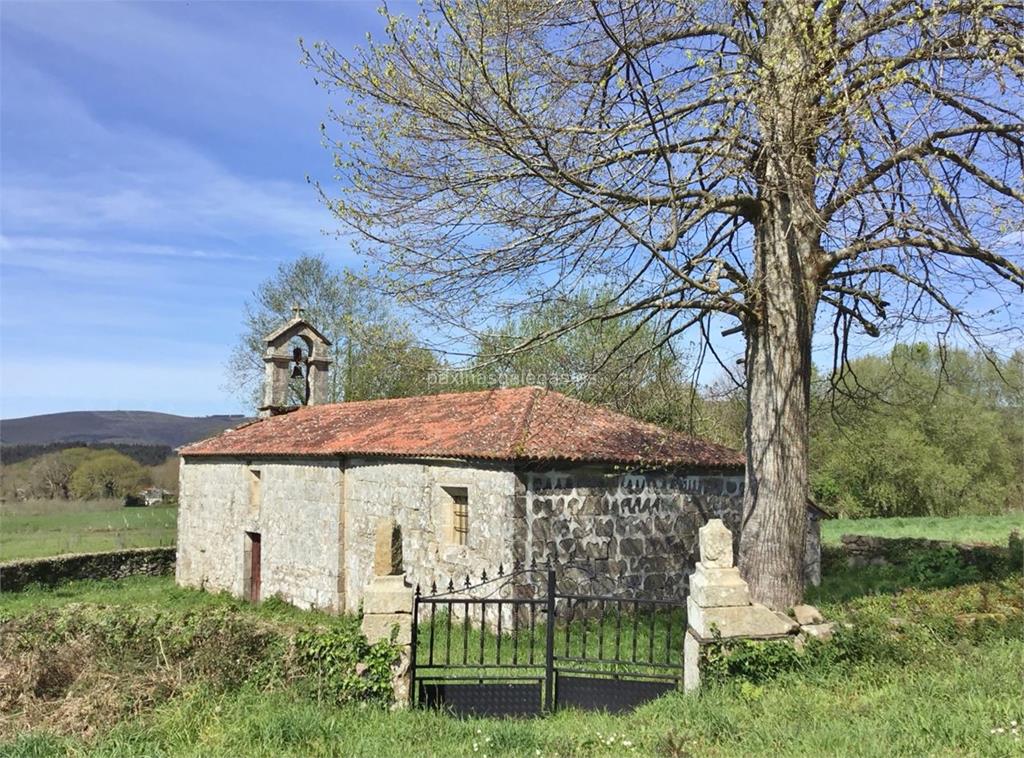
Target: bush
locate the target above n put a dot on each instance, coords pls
(939, 567)
(751, 661)
(344, 666)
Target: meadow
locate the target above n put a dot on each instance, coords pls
(930, 667)
(992, 530)
(39, 528)
(141, 667)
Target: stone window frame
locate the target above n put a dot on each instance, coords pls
(460, 514)
(445, 506)
(254, 477)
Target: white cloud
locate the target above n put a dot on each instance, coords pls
(66, 172)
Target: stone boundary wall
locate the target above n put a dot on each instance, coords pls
(151, 561)
(863, 550)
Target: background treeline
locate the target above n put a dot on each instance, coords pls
(85, 473)
(147, 455)
(921, 432)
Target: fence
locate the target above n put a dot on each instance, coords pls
(517, 645)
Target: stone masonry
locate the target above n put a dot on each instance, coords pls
(719, 606)
(318, 521)
(318, 518)
(296, 511)
(639, 529)
(388, 605)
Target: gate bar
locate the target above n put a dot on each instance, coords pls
(549, 653)
(413, 686)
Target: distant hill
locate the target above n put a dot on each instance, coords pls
(114, 427)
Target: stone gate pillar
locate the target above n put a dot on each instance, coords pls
(719, 606)
(388, 602)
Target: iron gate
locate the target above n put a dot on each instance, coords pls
(484, 650)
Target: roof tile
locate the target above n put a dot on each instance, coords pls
(518, 424)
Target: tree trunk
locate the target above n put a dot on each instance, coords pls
(778, 370)
(783, 297)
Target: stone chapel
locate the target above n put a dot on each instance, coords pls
(288, 505)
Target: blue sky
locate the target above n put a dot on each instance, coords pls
(153, 159)
(153, 173)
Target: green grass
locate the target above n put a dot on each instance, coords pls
(37, 529)
(927, 687)
(943, 707)
(984, 529)
(157, 591)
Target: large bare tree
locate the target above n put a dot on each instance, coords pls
(763, 162)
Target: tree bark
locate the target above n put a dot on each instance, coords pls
(778, 369)
(783, 297)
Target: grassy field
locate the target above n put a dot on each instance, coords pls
(921, 672)
(38, 528)
(948, 707)
(988, 529)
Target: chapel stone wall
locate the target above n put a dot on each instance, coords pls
(638, 529)
(417, 496)
(295, 510)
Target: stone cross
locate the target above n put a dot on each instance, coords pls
(387, 558)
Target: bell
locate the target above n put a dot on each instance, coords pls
(297, 372)
(297, 354)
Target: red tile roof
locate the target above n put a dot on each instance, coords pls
(519, 424)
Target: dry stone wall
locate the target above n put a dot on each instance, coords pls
(863, 550)
(17, 575)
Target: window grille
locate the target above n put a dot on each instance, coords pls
(460, 517)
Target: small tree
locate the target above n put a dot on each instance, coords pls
(107, 473)
(51, 475)
(708, 162)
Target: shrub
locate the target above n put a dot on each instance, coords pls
(939, 567)
(344, 667)
(113, 661)
(751, 661)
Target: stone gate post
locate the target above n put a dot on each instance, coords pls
(719, 606)
(388, 602)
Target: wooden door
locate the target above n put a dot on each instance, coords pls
(254, 566)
